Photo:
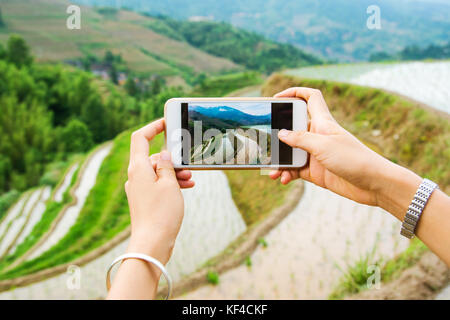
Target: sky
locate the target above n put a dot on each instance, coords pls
(258, 108)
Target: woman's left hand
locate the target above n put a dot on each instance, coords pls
(156, 211)
(154, 196)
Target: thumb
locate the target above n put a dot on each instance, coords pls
(311, 142)
(164, 167)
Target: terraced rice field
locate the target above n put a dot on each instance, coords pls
(306, 253)
(43, 27)
(210, 214)
(70, 216)
(309, 251)
(14, 225)
(15, 211)
(426, 82)
(34, 218)
(59, 193)
(202, 221)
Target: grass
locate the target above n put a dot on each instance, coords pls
(356, 276)
(212, 277)
(221, 85)
(406, 259)
(6, 201)
(263, 242)
(254, 194)
(104, 214)
(354, 279)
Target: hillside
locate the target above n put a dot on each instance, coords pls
(242, 47)
(435, 52)
(42, 23)
(334, 28)
(146, 44)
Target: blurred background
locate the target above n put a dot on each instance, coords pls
(77, 77)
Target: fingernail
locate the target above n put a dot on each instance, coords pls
(165, 155)
(283, 133)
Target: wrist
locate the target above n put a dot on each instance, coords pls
(151, 243)
(395, 188)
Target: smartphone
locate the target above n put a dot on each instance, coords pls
(233, 133)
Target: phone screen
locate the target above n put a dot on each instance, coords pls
(235, 133)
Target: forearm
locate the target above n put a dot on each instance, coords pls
(395, 192)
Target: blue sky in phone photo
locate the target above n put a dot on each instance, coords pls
(257, 109)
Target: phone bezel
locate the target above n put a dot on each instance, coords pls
(172, 116)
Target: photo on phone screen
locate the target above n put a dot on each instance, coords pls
(235, 133)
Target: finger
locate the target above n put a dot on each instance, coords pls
(183, 174)
(305, 174)
(311, 142)
(164, 167)
(154, 160)
(186, 184)
(139, 148)
(285, 177)
(317, 107)
(294, 174)
(275, 174)
(296, 92)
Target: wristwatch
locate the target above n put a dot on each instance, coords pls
(416, 208)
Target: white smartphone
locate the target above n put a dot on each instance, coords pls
(233, 133)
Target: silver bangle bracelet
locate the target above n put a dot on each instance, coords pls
(144, 257)
(416, 208)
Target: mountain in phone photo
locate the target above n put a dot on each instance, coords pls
(230, 114)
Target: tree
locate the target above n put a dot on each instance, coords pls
(18, 52)
(131, 87)
(76, 137)
(109, 58)
(113, 74)
(2, 52)
(5, 172)
(94, 116)
(156, 85)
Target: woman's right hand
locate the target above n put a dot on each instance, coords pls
(342, 164)
(338, 161)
